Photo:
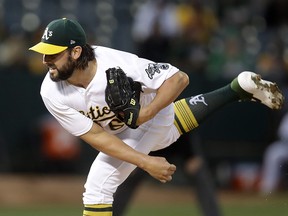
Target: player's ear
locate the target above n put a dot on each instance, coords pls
(76, 52)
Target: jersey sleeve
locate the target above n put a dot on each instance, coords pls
(151, 74)
(71, 120)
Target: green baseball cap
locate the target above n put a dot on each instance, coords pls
(59, 35)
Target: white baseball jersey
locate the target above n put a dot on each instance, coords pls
(76, 108)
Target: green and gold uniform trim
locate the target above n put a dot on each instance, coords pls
(185, 120)
(98, 210)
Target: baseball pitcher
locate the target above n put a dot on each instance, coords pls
(123, 106)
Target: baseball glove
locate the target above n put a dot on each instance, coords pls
(122, 96)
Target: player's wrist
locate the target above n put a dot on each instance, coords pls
(143, 161)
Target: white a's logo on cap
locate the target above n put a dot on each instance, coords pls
(47, 34)
(72, 42)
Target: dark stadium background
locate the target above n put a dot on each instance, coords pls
(232, 141)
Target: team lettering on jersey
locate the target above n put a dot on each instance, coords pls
(99, 115)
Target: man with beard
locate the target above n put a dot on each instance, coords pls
(74, 93)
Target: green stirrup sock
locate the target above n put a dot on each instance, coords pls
(98, 210)
(242, 93)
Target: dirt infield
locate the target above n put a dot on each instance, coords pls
(41, 189)
(28, 189)
(32, 189)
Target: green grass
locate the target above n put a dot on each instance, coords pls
(227, 210)
(168, 210)
(53, 210)
(275, 207)
(138, 210)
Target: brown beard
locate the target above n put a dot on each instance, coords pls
(66, 71)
